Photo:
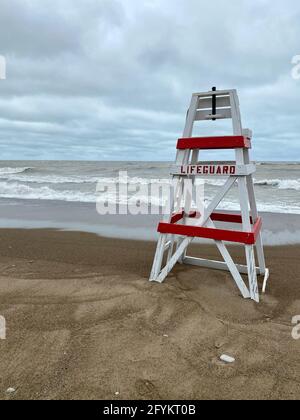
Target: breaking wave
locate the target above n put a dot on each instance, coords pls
(58, 179)
(30, 175)
(278, 207)
(14, 190)
(282, 184)
(276, 187)
(25, 192)
(11, 171)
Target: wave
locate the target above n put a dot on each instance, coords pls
(30, 175)
(263, 207)
(50, 179)
(11, 171)
(61, 179)
(18, 191)
(282, 184)
(25, 192)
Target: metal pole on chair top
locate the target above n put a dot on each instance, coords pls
(214, 103)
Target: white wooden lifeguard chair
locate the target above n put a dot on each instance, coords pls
(185, 223)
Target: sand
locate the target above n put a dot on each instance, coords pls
(83, 322)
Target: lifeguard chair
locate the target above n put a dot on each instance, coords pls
(185, 223)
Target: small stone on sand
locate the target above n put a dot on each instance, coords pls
(227, 359)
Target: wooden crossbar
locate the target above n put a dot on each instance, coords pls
(206, 143)
(216, 217)
(247, 238)
(216, 265)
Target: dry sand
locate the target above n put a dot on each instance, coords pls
(83, 322)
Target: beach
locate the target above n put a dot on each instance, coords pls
(83, 322)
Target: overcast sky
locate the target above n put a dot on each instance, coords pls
(112, 79)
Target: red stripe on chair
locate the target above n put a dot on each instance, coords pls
(217, 217)
(176, 217)
(180, 215)
(225, 142)
(247, 238)
(227, 217)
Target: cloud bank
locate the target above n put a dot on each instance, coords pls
(112, 79)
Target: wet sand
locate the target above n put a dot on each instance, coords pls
(278, 228)
(83, 322)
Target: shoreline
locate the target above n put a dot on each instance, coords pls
(83, 322)
(278, 228)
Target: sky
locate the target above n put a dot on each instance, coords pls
(112, 79)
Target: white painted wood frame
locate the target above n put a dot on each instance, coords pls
(227, 106)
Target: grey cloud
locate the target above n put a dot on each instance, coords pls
(112, 79)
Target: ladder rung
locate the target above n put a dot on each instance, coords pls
(221, 102)
(221, 115)
(224, 142)
(216, 217)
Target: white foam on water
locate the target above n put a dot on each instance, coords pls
(31, 175)
(15, 190)
(25, 192)
(282, 184)
(72, 182)
(263, 207)
(60, 179)
(50, 179)
(9, 170)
